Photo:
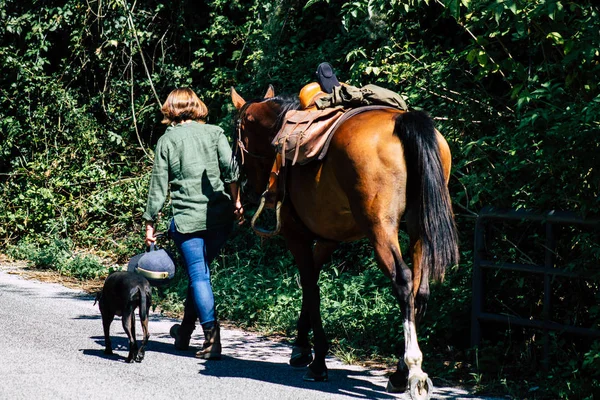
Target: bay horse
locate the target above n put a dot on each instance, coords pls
(381, 165)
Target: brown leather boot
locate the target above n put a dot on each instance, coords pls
(211, 349)
(182, 336)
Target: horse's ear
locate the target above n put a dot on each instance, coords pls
(270, 92)
(238, 101)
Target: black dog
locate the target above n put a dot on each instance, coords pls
(123, 292)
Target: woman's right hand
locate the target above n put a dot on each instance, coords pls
(150, 238)
(238, 209)
(239, 212)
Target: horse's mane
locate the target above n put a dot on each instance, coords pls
(286, 103)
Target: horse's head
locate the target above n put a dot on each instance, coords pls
(257, 124)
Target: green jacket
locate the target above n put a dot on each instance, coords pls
(194, 161)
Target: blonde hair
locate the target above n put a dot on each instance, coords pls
(183, 104)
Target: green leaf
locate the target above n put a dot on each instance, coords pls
(454, 8)
(472, 55)
(311, 2)
(499, 9)
(482, 58)
(556, 38)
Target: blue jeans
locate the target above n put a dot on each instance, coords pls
(198, 250)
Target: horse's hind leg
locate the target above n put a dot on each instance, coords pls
(421, 272)
(389, 258)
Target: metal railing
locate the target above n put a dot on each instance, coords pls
(490, 215)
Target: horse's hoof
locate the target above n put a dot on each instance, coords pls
(311, 376)
(420, 387)
(301, 357)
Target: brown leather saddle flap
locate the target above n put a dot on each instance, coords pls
(304, 133)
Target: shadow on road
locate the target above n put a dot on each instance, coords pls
(120, 343)
(341, 381)
(100, 354)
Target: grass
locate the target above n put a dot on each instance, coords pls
(61, 256)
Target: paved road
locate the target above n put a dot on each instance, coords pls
(51, 347)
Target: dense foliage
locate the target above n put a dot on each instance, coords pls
(513, 85)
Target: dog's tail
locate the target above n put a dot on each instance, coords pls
(98, 297)
(145, 302)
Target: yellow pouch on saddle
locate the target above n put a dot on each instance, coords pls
(304, 133)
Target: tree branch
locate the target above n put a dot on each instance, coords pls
(137, 41)
(137, 132)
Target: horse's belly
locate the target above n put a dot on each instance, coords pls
(331, 222)
(322, 205)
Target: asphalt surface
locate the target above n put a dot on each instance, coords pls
(51, 347)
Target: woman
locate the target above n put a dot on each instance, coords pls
(193, 161)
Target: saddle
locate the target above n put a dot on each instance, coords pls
(306, 131)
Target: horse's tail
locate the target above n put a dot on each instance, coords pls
(427, 193)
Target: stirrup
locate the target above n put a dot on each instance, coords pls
(265, 232)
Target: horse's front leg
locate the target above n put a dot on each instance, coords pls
(322, 252)
(309, 264)
(317, 370)
(302, 351)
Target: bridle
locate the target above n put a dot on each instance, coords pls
(240, 146)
